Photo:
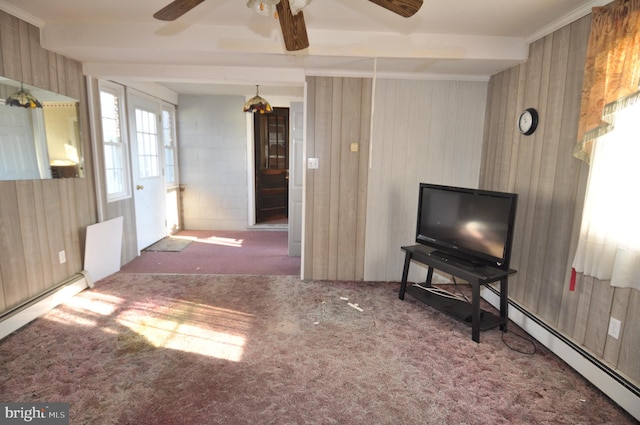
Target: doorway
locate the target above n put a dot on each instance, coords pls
(146, 164)
(154, 171)
(271, 147)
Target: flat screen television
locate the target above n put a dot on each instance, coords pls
(471, 227)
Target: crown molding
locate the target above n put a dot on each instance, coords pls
(21, 14)
(570, 17)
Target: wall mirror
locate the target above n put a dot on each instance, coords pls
(39, 143)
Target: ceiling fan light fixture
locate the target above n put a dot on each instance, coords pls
(263, 7)
(288, 13)
(23, 99)
(268, 7)
(257, 104)
(298, 5)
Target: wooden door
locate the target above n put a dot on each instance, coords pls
(272, 165)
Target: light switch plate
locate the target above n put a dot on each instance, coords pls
(313, 163)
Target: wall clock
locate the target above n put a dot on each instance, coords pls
(528, 121)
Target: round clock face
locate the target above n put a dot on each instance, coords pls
(528, 121)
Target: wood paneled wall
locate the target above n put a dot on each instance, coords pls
(339, 111)
(359, 210)
(423, 131)
(40, 218)
(551, 186)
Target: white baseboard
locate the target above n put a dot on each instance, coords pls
(595, 372)
(32, 311)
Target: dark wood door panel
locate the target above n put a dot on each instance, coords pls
(271, 164)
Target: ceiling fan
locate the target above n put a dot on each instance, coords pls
(294, 30)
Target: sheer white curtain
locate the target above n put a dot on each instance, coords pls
(609, 243)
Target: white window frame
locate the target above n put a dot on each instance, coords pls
(117, 91)
(171, 109)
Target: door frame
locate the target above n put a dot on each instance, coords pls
(285, 102)
(133, 98)
(170, 192)
(296, 177)
(272, 176)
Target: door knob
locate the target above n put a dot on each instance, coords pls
(139, 187)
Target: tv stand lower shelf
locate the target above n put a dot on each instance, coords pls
(462, 310)
(458, 309)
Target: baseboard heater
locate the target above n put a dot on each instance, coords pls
(622, 391)
(19, 316)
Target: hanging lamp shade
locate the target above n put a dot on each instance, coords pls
(23, 99)
(257, 104)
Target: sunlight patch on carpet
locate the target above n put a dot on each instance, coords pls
(93, 302)
(65, 316)
(214, 240)
(190, 327)
(84, 310)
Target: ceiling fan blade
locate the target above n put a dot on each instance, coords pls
(294, 30)
(404, 8)
(176, 9)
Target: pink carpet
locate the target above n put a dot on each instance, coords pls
(145, 349)
(222, 252)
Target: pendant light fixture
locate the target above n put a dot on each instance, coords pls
(257, 104)
(23, 99)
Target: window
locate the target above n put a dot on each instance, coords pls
(609, 245)
(169, 141)
(147, 137)
(114, 142)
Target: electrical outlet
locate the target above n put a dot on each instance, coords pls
(614, 327)
(62, 257)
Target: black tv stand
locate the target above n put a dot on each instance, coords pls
(476, 276)
(455, 259)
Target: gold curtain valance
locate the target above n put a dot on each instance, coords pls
(612, 70)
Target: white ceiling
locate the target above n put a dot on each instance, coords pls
(221, 46)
